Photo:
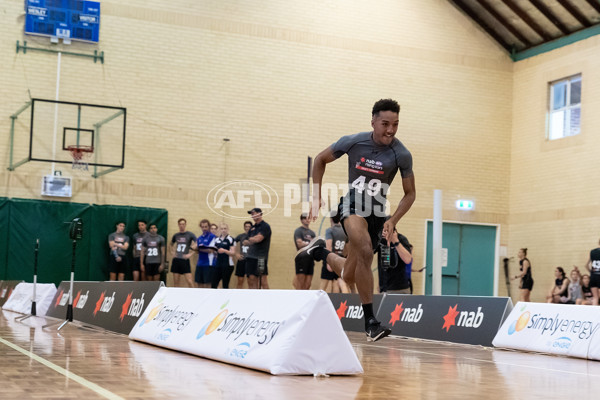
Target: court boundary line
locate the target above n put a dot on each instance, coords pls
(70, 375)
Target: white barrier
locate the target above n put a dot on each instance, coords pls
(284, 332)
(552, 328)
(21, 298)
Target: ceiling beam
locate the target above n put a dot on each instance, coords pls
(504, 22)
(527, 19)
(574, 11)
(595, 4)
(539, 4)
(461, 4)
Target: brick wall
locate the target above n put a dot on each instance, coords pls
(281, 80)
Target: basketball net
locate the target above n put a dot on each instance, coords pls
(81, 156)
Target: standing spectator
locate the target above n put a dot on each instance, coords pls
(526, 284)
(305, 265)
(204, 243)
(138, 237)
(225, 245)
(574, 289)
(397, 275)
(586, 291)
(118, 242)
(259, 240)
(560, 287)
(335, 241)
(593, 265)
(241, 253)
(181, 243)
(153, 253)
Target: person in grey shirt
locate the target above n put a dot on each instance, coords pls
(335, 241)
(118, 242)
(181, 243)
(305, 265)
(137, 238)
(153, 254)
(374, 158)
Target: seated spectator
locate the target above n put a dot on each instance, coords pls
(574, 289)
(560, 287)
(586, 292)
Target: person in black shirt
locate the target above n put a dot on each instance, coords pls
(224, 264)
(240, 255)
(526, 277)
(259, 240)
(593, 265)
(560, 287)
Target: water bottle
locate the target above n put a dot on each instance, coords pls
(385, 251)
(261, 266)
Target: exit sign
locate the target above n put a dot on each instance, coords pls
(465, 205)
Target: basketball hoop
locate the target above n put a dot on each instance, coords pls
(81, 154)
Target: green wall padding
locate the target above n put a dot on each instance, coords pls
(23, 221)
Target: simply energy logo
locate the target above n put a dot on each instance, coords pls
(234, 325)
(554, 325)
(169, 316)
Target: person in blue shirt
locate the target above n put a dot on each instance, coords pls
(204, 243)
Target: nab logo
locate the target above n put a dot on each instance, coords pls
(3, 293)
(406, 314)
(80, 300)
(132, 306)
(104, 304)
(467, 319)
(351, 312)
(63, 299)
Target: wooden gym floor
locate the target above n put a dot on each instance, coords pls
(78, 363)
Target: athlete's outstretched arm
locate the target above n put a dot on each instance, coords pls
(410, 193)
(319, 163)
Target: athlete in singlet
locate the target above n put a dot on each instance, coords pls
(374, 158)
(526, 277)
(593, 265)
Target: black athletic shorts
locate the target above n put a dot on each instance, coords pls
(305, 265)
(526, 284)
(240, 268)
(117, 267)
(595, 280)
(135, 265)
(252, 267)
(327, 274)
(374, 222)
(180, 266)
(152, 269)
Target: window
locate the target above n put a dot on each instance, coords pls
(564, 117)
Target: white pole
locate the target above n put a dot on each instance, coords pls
(436, 279)
(56, 111)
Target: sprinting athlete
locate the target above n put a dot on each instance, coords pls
(374, 158)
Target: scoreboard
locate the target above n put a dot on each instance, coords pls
(63, 19)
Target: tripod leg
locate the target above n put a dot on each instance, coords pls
(63, 324)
